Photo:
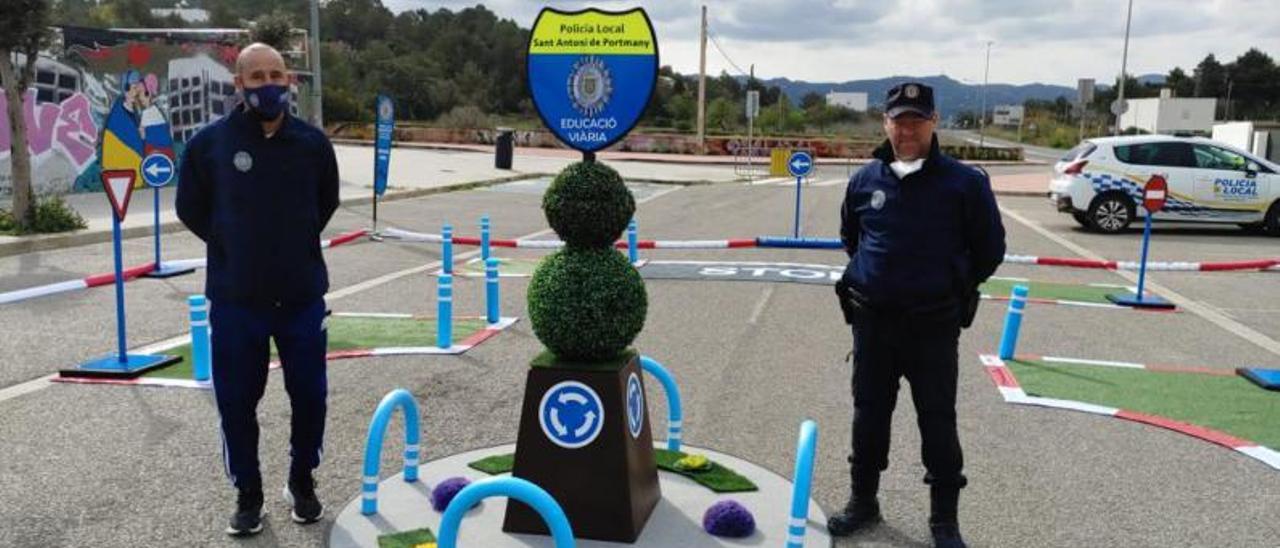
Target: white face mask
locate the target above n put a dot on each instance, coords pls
(902, 169)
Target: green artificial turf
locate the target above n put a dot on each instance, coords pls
(1229, 404)
(1050, 290)
(717, 478)
(407, 539)
(548, 359)
(347, 333)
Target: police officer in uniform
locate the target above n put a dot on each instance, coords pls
(258, 186)
(922, 232)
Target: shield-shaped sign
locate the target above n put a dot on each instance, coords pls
(382, 146)
(591, 73)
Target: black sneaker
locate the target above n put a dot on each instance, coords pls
(856, 516)
(249, 513)
(300, 494)
(946, 535)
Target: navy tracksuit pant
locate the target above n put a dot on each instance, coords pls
(887, 349)
(241, 353)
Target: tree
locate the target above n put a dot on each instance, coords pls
(26, 23)
(273, 29)
(1211, 78)
(1181, 84)
(811, 100)
(1252, 84)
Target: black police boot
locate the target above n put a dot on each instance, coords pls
(862, 511)
(249, 513)
(300, 493)
(944, 502)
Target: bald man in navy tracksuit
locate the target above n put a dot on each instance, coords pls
(258, 186)
(922, 232)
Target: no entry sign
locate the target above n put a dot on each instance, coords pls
(1155, 193)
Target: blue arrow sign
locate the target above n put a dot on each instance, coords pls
(571, 414)
(800, 164)
(635, 405)
(157, 170)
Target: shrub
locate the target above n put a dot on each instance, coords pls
(587, 304)
(588, 205)
(50, 215)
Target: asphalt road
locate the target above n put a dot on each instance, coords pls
(132, 466)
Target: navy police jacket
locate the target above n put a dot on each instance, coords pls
(923, 240)
(259, 204)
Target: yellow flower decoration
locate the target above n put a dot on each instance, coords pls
(693, 463)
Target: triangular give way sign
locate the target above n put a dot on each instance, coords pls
(119, 186)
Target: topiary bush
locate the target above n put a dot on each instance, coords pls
(588, 205)
(587, 304)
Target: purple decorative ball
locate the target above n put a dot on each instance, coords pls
(443, 494)
(727, 518)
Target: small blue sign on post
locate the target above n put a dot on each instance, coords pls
(799, 165)
(571, 414)
(635, 405)
(157, 171)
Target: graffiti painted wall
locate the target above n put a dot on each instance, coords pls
(146, 92)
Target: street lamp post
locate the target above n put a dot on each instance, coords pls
(1124, 68)
(982, 116)
(317, 95)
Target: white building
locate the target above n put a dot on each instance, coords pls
(855, 101)
(1007, 115)
(201, 90)
(1260, 138)
(1167, 114)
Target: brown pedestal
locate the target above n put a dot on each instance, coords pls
(600, 469)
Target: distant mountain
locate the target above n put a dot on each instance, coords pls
(1152, 79)
(952, 96)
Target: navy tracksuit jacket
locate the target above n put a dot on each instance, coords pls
(260, 204)
(918, 249)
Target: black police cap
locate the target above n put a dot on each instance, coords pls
(912, 97)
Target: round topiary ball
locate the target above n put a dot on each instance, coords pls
(444, 493)
(588, 205)
(587, 304)
(729, 519)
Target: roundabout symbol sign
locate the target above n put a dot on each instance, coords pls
(571, 414)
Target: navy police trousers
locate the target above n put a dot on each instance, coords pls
(241, 353)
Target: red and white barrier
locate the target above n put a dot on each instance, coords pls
(132, 273)
(1175, 266)
(1013, 393)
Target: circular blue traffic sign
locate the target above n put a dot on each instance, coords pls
(157, 170)
(571, 414)
(800, 164)
(635, 405)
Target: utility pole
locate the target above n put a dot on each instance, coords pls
(1124, 68)
(702, 86)
(751, 125)
(982, 116)
(317, 94)
(1230, 84)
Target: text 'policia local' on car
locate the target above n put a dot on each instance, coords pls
(1100, 182)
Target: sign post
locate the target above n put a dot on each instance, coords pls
(753, 110)
(1154, 195)
(157, 171)
(799, 165)
(119, 188)
(382, 154)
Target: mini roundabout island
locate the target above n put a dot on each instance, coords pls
(584, 470)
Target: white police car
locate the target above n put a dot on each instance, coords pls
(1099, 182)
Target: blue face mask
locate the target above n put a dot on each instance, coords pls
(268, 101)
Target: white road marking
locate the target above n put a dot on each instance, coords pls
(760, 304)
(41, 383)
(1204, 311)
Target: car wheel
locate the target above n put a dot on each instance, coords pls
(1081, 218)
(1110, 213)
(1272, 222)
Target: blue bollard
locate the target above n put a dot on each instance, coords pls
(446, 259)
(491, 290)
(444, 319)
(484, 238)
(803, 481)
(200, 355)
(396, 399)
(633, 247)
(516, 488)
(675, 416)
(1013, 322)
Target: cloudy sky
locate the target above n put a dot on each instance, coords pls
(1048, 41)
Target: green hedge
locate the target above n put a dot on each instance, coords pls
(587, 304)
(588, 205)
